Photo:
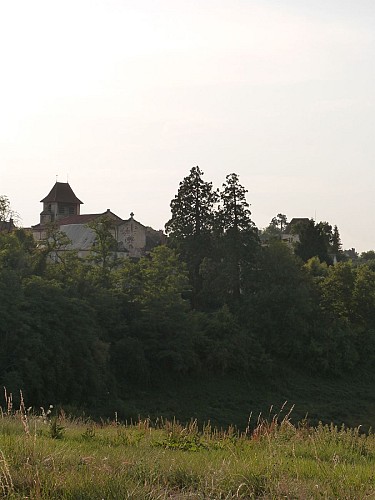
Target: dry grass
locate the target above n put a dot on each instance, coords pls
(169, 460)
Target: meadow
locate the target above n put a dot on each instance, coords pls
(46, 454)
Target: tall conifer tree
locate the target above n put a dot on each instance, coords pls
(238, 233)
(190, 227)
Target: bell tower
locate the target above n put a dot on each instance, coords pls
(59, 203)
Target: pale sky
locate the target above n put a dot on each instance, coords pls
(123, 97)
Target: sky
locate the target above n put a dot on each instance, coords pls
(122, 98)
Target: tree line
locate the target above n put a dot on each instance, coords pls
(214, 300)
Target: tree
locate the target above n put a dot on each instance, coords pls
(103, 252)
(275, 228)
(18, 252)
(156, 284)
(364, 296)
(337, 291)
(278, 302)
(192, 207)
(238, 233)
(368, 258)
(279, 223)
(191, 225)
(6, 213)
(314, 241)
(316, 268)
(336, 243)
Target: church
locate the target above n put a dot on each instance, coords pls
(62, 208)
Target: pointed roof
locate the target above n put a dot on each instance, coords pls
(294, 222)
(63, 193)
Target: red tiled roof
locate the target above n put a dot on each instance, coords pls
(77, 219)
(85, 218)
(61, 192)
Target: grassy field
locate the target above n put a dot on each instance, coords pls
(45, 457)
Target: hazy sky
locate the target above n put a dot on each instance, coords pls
(124, 97)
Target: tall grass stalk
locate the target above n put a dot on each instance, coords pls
(170, 459)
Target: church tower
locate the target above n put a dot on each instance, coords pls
(60, 202)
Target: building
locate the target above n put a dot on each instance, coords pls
(61, 208)
(290, 235)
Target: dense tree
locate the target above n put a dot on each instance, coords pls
(191, 224)
(314, 241)
(368, 258)
(18, 252)
(86, 330)
(337, 291)
(316, 268)
(192, 208)
(364, 297)
(103, 253)
(157, 285)
(279, 304)
(278, 224)
(50, 347)
(226, 346)
(275, 228)
(237, 232)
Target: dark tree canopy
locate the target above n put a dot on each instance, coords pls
(314, 241)
(234, 212)
(214, 301)
(190, 227)
(192, 208)
(238, 233)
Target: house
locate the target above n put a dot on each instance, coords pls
(290, 235)
(62, 208)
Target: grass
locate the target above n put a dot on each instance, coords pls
(46, 456)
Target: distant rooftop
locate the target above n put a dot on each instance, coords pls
(63, 193)
(295, 221)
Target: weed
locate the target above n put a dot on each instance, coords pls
(6, 483)
(89, 433)
(56, 431)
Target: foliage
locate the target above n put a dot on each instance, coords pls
(213, 303)
(192, 207)
(314, 241)
(7, 214)
(275, 228)
(103, 253)
(238, 238)
(279, 305)
(316, 268)
(191, 224)
(56, 430)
